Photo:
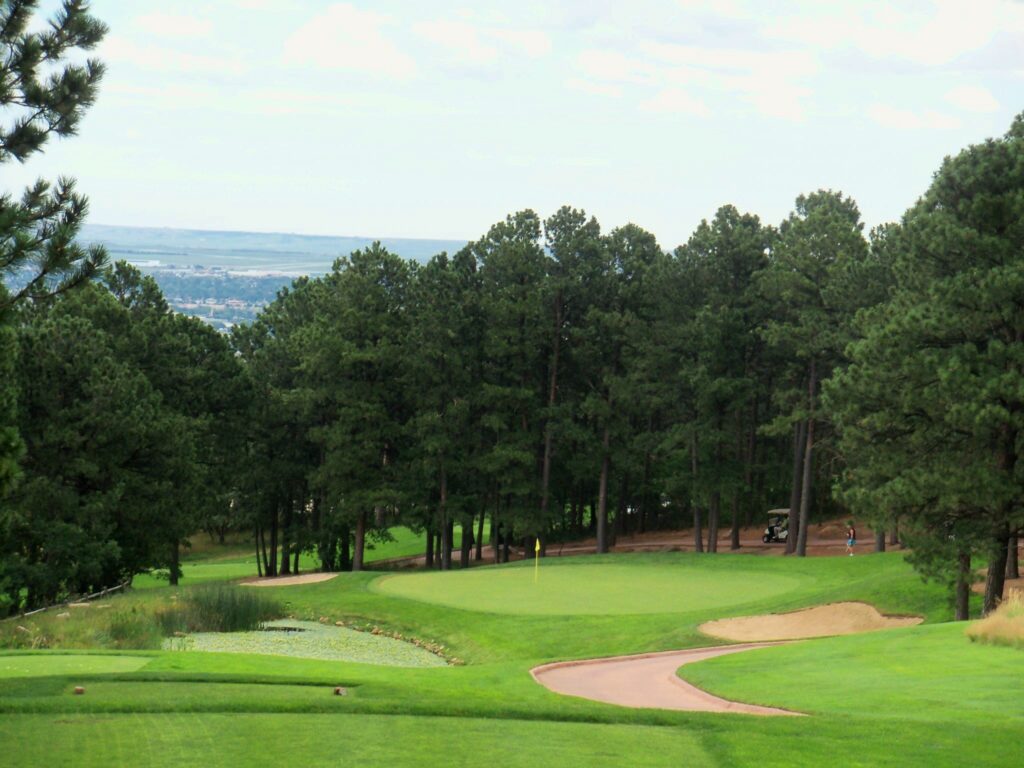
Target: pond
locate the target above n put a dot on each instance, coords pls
(311, 640)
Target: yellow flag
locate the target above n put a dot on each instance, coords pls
(536, 546)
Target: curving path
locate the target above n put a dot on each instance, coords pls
(646, 681)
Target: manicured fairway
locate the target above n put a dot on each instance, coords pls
(68, 664)
(567, 590)
(325, 740)
(924, 673)
(917, 696)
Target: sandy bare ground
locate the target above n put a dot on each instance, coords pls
(1011, 584)
(820, 621)
(824, 540)
(647, 681)
(288, 581)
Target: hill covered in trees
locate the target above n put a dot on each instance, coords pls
(553, 377)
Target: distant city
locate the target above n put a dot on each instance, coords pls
(226, 278)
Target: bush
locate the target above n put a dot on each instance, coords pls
(219, 609)
(1004, 626)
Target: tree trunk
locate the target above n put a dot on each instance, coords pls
(714, 512)
(447, 537)
(805, 492)
(734, 534)
(430, 547)
(880, 539)
(799, 438)
(263, 546)
(602, 494)
(175, 569)
(295, 565)
(345, 561)
(996, 578)
(466, 545)
(272, 567)
(480, 537)
(894, 534)
(698, 527)
(556, 343)
(259, 560)
(446, 528)
(963, 587)
(360, 542)
(1012, 558)
(286, 531)
(805, 486)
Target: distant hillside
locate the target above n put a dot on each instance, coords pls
(227, 277)
(248, 252)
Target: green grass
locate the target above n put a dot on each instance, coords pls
(236, 559)
(325, 740)
(566, 590)
(925, 673)
(918, 696)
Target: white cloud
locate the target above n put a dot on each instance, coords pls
(932, 34)
(174, 25)
(909, 120)
(460, 40)
(531, 42)
(469, 42)
(676, 101)
(591, 87)
(614, 67)
(119, 50)
(770, 81)
(347, 38)
(973, 98)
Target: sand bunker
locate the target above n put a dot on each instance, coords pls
(821, 621)
(288, 581)
(646, 681)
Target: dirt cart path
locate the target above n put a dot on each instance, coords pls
(646, 681)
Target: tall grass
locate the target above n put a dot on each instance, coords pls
(219, 609)
(1004, 626)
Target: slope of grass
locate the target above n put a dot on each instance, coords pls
(920, 696)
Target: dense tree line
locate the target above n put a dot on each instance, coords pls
(558, 381)
(551, 378)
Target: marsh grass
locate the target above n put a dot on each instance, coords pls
(1004, 626)
(219, 609)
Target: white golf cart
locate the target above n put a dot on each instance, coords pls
(778, 526)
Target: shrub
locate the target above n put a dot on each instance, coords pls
(1004, 626)
(219, 609)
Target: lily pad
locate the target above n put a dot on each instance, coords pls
(310, 640)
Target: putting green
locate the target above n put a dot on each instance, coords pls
(588, 589)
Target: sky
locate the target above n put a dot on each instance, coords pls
(437, 119)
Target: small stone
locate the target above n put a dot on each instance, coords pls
(64, 615)
(181, 634)
(339, 623)
(24, 629)
(79, 690)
